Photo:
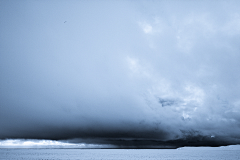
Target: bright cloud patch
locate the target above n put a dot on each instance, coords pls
(21, 143)
(33, 143)
(147, 28)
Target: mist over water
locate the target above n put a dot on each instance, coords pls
(125, 74)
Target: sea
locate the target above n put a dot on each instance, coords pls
(185, 153)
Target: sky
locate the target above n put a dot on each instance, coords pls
(121, 73)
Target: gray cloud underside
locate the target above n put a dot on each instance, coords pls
(123, 73)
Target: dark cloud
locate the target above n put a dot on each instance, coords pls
(129, 74)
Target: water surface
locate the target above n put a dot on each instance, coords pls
(200, 153)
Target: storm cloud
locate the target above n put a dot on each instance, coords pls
(124, 73)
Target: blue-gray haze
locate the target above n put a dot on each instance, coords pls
(127, 73)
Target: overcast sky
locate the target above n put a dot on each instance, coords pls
(108, 72)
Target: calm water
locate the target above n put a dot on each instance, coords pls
(117, 154)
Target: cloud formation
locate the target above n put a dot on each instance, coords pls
(121, 73)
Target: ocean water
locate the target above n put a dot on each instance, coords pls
(195, 153)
